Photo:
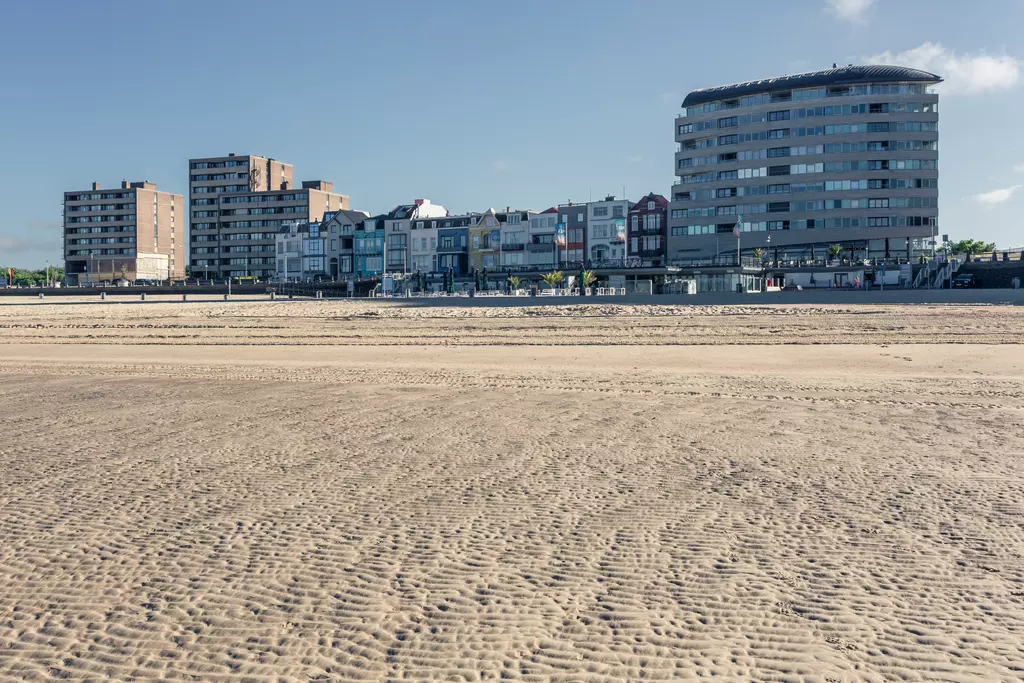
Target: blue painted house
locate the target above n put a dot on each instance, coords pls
(453, 244)
(368, 246)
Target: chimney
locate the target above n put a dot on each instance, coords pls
(125, 184)
(420, 202)
(507, 209)
(231, 154)
(95, 186)
(284, 184)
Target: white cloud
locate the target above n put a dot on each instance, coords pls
(634, 160)
(993, 197)
(499, 165)
(855, 11)
(1019, 168)
(964, 74)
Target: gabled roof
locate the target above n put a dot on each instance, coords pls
(843, 75)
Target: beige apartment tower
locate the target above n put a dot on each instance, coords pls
(238, 203)
(134, 232)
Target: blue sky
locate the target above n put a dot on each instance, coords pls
(469, 103)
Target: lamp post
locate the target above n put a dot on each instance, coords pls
(736, 232)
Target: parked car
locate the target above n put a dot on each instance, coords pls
(964, 280)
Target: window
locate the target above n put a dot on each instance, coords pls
(779, 189)
(778, 134)
(598, 211)
(725, 192)
(778, 152)
(728, 139)
(725, 211)
(778, 207)
(878, 203)
(579, 218)
(778, 170)
(878, 127)
(617, 212)
(650, 206)
(685, 128)
(728, 122)
(476, 241)
(778, 115)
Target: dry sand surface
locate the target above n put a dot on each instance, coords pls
(320, 491)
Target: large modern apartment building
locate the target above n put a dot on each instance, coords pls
(133, 232)
(845, 156)
(238, 204)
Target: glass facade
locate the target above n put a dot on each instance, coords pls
(870, 181)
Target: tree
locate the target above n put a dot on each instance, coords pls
(555, 277)
(972, 247)
(834, 251)
(589, 277)
(759, 254)
(514, 281)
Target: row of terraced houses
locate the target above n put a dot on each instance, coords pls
(866, 178)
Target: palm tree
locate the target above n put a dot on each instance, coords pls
(589, 277)
(555, 277)
(834, 251)
(514, 281)
(759, 254)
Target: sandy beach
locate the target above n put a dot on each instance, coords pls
(329, 491)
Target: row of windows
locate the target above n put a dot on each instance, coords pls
(810, 205)
(805, 224)
(129, 251)
(218, 164)
(101, 219)
(824, 167)
(98, 230)
(220, 188)
(219, 176)
(805, 150)
(104, 240)
(249, 236)
(807, 94)
(95, 196)
(811, 112)
(247, 248)
(125, 206)
(795, 188)
(257, 198)
(266, 210)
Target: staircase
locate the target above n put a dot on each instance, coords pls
(936, 274)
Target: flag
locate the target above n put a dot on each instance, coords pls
(560, 234)
(620, 229)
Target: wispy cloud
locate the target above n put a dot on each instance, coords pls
(1019, 168)
(40, 236)
(634, 160)
(854, 11)
(1000, 196)
(499, 165)
(963, 74)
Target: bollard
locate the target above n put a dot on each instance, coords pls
(184, 297)
(103, 296)
(41, 295)
(272, 296)
(319, 294)
(225, 297)
(143, 296)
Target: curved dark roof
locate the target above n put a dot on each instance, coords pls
(844, 75)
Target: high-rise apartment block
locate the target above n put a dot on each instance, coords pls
(847, 156)
(238, 204)
(135, 232)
